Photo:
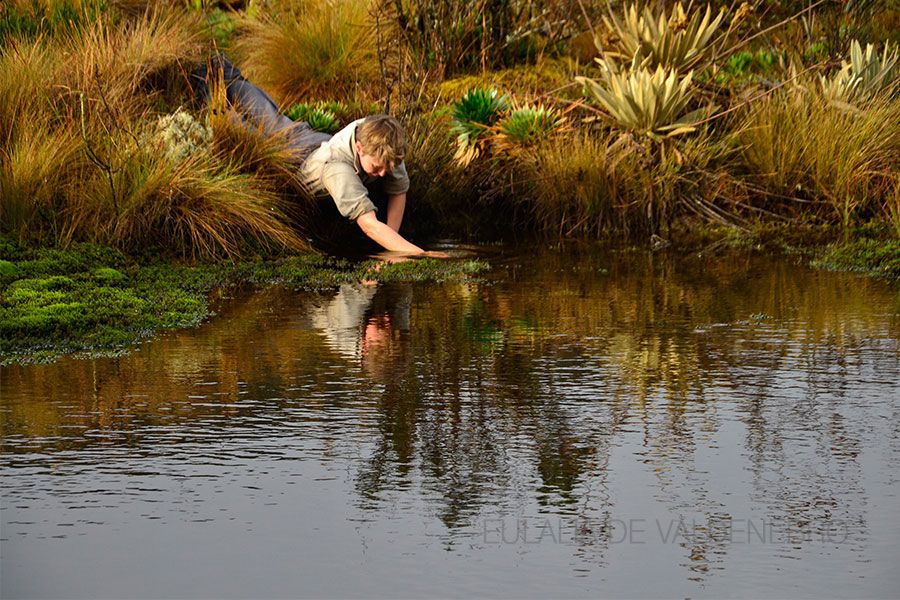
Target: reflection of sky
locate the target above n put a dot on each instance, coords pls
(648, 412)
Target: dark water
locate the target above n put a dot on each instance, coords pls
(579, 423)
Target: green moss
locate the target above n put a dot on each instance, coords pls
(8, 271)
(427, 269)
(872, 256)
(91, 298)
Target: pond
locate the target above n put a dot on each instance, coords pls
(574, 422)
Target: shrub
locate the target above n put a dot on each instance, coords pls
(865, 75)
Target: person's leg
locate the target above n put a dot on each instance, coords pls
(257, 106)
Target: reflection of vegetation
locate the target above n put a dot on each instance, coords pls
(525, 387)
(93, 297)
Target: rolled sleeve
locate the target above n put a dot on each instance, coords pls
(349, 194)
(397, 181)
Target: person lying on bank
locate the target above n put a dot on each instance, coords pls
(362, 159)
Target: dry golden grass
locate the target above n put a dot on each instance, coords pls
(796, 147)
(28, 75)
(198, 209)
(40, 169)
(571, 185)
(78, 164)
(302, 49)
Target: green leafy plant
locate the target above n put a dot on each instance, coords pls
(320, 116)
(528, 125)
(473, 116)
(676, 41)
(648, 102)
(323, 120)
(865, 75)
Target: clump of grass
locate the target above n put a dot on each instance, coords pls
(796, 148)
(197, 208)
(41, 170)
(570, 186)
(306, 49)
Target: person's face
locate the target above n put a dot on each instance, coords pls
(371, 165)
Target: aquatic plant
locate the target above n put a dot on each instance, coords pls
(651, 103)
(528, 125)
(675, 41)
(473, 115)
(865, 75)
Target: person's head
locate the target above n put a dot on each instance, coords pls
(380, 144)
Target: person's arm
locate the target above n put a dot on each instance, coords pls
(384, 235)
(395, 206)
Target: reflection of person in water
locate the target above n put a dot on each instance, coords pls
(367, 325)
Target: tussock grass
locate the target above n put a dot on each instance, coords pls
(28, 75)
(124, 68)
(800, 152)
(199, 208)
(301, 49)
(570, 186)
(41, 167)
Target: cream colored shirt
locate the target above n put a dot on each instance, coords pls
(333, 169)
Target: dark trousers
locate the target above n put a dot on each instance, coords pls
(256, 106)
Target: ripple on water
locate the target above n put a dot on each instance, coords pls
(752, 411)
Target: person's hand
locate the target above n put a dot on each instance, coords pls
(435, 254)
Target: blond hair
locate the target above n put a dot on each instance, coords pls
(383, 137)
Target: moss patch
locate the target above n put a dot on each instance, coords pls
(872, 256)
(95, 299)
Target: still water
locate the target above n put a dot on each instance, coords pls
(577, 422)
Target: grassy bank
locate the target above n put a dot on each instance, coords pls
(524, 118)
(95, 299)
(536, 118)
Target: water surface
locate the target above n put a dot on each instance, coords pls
(577, 423)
